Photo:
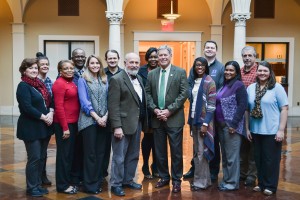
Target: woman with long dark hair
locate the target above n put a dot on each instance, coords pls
(231, 104)
(202, 94)
(268, 107)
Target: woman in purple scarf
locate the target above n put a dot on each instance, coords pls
(231, 104)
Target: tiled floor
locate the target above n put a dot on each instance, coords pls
(13, 161)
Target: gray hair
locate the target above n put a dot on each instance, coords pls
(165, 47)
(249, 48)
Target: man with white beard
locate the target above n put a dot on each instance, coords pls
(127, 113)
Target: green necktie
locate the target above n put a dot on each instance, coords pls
(161, 95)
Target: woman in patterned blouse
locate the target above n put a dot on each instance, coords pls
(231, 104)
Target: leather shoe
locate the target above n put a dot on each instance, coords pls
(213, 178)
(189, 174)
(162, 183)
(148, 177)
(35, 192)
(133, 185)
(195, 188)
(93, 192)
(156, 174)
(117, 190)
(249, 182)
(176, 187)
(45, 180)
(43, 190)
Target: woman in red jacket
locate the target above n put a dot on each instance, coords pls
(65, 124)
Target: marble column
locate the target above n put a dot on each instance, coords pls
(114, 18)
(239, 34)
(240, 13)
(18, 40)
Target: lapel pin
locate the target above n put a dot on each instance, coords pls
(171, 75)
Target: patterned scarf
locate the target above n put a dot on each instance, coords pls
(40, 86)
(256, 111)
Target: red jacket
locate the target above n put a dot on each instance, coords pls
(66, 102)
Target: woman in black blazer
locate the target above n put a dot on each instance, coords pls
(34, 123)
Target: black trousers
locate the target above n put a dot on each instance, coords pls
(267, 155)
(94, 145)
(64, 156)
(36, 156)
(77, 165)
(107, 152)
(147, 146)
(174, 135)
(44, 165)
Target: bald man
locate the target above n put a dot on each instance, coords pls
(127, 113)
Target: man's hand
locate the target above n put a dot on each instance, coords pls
(118, 133)
(162, 114)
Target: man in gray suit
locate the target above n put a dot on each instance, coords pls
(167, 90)
(127, 112)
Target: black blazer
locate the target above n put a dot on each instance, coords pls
(31, 104)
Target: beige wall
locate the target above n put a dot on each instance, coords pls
(6, 81)
(141, 16)
(41, 21)
(285, 24)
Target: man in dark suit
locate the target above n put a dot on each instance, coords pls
(167, 90)
(127, 112)
(78, 57)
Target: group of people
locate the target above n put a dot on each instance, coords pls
(245, 113)
(92, 109)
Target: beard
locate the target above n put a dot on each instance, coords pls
(132, 72)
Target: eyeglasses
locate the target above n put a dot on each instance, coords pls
(200, 65)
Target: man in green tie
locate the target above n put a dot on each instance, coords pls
(167, 90)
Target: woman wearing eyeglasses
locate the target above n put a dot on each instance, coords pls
(202, 107)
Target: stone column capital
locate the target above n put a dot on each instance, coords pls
(240, 18)
(114, 17)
